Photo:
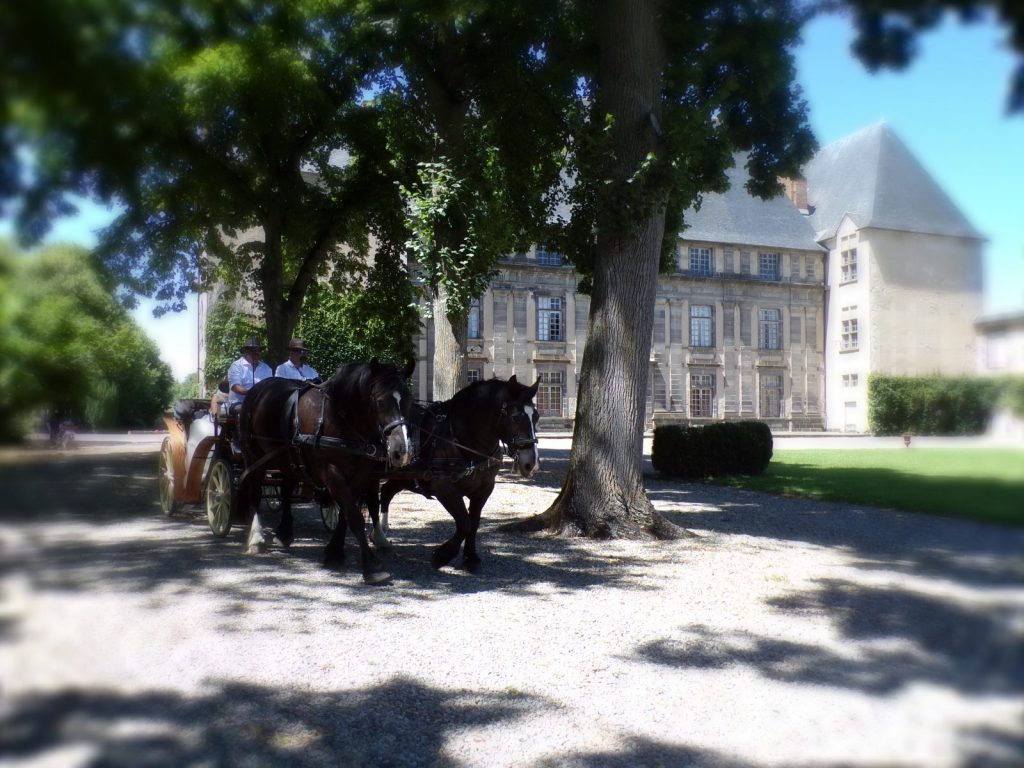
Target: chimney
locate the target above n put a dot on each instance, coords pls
(796, 191)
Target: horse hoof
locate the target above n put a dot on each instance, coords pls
(334, 561)
(471, 566)
(376, 578)
(256, 548)
(286, 543)
(439, 560)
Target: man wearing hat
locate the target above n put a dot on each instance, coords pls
(245, 372)
(295, 367)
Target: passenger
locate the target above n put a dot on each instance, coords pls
(295, 367)
(245, 372)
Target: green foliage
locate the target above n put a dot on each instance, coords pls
(70, 348)
(449, 223)
(226, 331)
(930, 405)
(377, 319)
(715, 450)
(1012, 397)
(187, 388)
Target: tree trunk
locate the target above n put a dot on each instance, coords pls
(450, 330)
(603, 494)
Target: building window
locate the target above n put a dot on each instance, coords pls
(549, 319)
(702, 326)
(548, 258)
(476, 321)
(768, 266)
(700, 261)
(771, 328)
(850, 339)
(851, 379)
(549, 393)
(702, 395)
(474, 373)
(771, 395)
(849, 266)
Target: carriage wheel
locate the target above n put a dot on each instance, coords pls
(220, 498)
(330, 513)
(165, 479)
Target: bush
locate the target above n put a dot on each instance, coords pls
(931, 405)
(729, 448)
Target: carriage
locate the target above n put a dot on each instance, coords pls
(200, 464)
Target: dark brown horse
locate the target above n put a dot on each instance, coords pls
(339, 437)
(460, 455)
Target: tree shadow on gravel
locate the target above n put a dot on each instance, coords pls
(400, 723)
(71, 516)
(969, 553)
(647, 753)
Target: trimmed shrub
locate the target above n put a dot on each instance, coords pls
(931, 405)
(728, 448)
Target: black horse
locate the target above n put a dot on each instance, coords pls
(339, 437)
(460, 456)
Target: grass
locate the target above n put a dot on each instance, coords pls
(974, 483)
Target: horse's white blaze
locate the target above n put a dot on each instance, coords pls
(405, 432)
(528, 410)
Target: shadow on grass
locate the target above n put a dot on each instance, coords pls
(986, 499)
(402, 722)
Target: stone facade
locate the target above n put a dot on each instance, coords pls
(778, 310)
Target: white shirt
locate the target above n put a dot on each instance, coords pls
(288, 370)
(242, 372)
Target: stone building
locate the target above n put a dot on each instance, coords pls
(776, 310)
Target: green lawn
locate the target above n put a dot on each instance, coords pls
(976, 483)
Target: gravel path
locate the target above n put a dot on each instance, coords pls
(789, 633)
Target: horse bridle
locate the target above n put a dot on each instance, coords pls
(517, 444)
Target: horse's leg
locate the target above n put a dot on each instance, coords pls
(372, 498)
(451, 499)
(479, 497)
(285, 532)
(256, 543)
(380, 523)
(373, 569)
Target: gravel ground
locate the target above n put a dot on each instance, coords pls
(788, 633)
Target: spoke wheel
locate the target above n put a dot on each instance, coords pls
(165, 479)
(220, 498)
(330, 514)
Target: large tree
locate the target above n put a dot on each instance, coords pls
(672, 92)
(676, 89)
(235, 136)
(474, 95)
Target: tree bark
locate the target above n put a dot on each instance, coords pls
(450, 331)
(603, 494)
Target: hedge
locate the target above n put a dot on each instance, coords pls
(728, 448)
(934, 405)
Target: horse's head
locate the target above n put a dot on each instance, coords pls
(519, 425)
(391, 402)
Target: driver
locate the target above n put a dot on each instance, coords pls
(296, 367)
(245, 372)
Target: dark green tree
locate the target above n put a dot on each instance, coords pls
(235, 135)
(71, 349)
(472, 94)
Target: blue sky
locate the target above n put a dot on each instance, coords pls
(948, 108)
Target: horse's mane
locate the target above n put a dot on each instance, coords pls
(352, 380)
(487, 388)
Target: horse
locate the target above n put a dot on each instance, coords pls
(460, 457)
(338, 436)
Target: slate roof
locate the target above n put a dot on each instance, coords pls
(736, 217)
(872, 177)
